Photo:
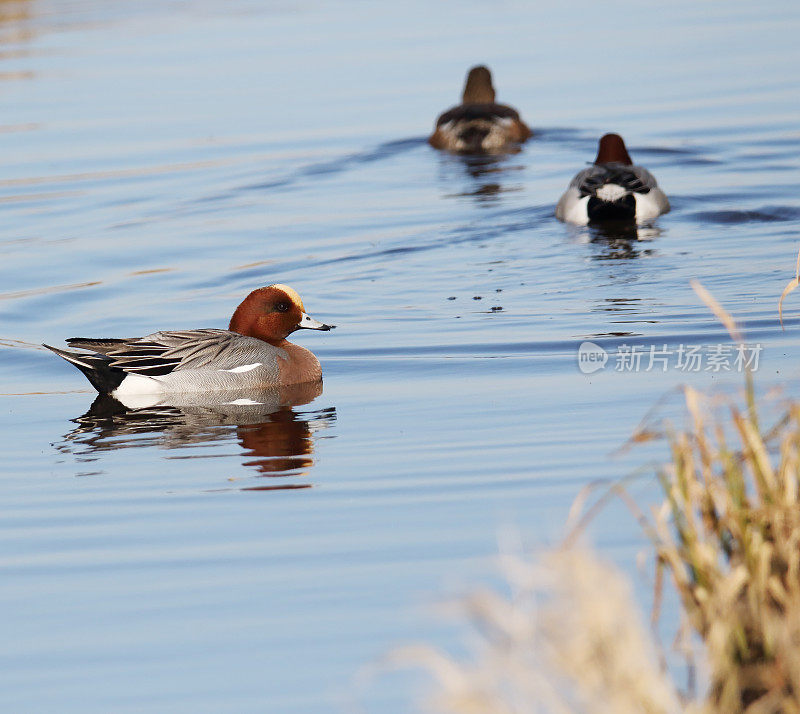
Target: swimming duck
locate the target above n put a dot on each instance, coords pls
(252, 353)
(612, 189)
(478, 125)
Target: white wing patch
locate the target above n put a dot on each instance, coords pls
(242, 368)
(611, 192)
(242, 402)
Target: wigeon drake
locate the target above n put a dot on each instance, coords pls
(478, 125)
(252, 353)
(612, 189)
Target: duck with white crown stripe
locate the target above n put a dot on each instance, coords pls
(253, 353)
(612, 189)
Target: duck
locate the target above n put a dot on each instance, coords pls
(612, 189)
(253, 353)
(479, 125)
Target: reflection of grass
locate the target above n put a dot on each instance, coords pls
(727, 534)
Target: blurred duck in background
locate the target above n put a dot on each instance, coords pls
(478, 125)
(612, 189)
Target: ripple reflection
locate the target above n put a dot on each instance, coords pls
(275, 439)
(484, 177)
(618, 239)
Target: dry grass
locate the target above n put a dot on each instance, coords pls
(726, 535)
(566, 639)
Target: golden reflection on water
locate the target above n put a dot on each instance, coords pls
(15, 16)
(275, 439)
(49, 290)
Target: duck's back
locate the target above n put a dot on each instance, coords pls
(612, 192)
(479, 128)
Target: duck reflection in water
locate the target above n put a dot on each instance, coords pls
(487, 175)
(276, 440)
(618, 239)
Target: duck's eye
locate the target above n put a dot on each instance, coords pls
(282, 306)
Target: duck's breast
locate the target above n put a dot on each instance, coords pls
(299, 366)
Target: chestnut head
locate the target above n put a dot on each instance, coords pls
(611, 149)
(272, 313)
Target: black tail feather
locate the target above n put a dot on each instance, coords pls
(95, 367)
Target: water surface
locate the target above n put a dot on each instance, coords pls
(160, 160)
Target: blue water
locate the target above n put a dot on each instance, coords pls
(161, 160)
